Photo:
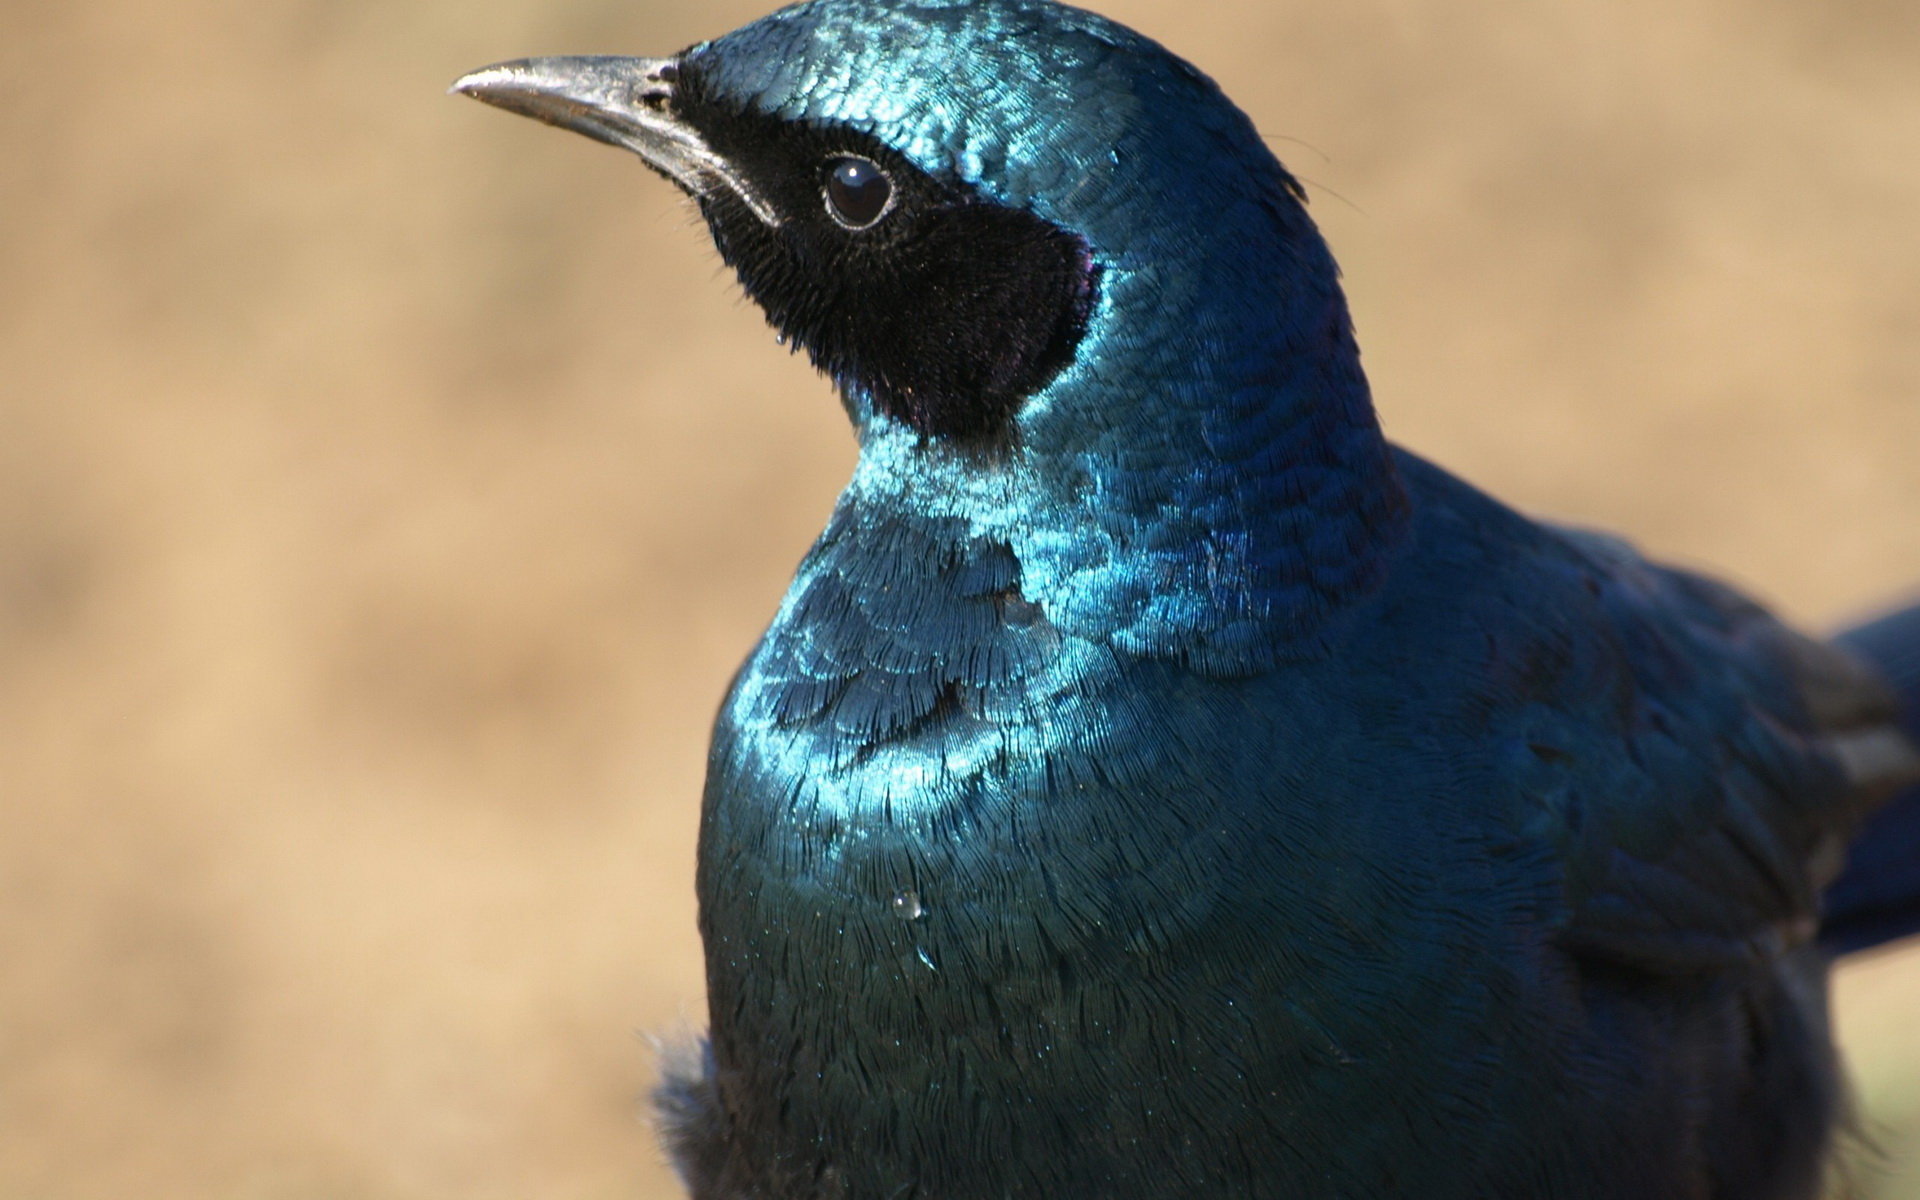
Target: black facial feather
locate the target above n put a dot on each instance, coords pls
(947, 311)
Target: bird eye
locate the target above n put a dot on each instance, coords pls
(858, 191)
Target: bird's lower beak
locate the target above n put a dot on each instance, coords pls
(621, 101)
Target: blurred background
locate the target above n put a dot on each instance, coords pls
(389, 487)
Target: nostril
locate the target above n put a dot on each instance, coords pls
(657, 87)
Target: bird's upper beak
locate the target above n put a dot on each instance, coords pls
(621, 101)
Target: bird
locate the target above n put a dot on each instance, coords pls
(1155, 783)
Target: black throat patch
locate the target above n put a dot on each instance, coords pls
(947, 312)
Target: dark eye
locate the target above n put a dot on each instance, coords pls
(858, 191)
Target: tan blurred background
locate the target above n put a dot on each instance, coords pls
(389, 487)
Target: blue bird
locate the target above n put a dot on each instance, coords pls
(1154, 783)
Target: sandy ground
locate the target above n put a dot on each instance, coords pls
(389, 487)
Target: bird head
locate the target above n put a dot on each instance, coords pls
(1065, 291)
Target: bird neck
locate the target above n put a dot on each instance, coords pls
(1208, 483)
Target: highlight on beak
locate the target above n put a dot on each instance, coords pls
(625, 102)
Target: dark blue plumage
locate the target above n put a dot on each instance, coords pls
(1154, 784)
(1877, 899)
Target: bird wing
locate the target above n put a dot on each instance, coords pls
(1698, 765)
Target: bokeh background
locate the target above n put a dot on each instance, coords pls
(389, 486)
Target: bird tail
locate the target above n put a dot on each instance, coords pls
(1877, 898)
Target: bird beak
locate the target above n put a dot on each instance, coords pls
(624, 102)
